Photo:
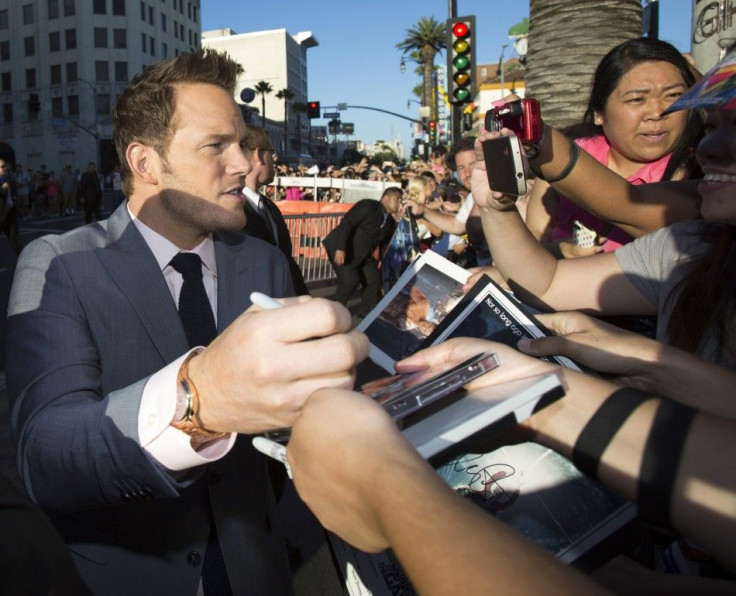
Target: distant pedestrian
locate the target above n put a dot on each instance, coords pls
(90, 192)
(69, 190)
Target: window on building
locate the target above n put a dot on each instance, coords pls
(195, 15)
(30, 78)
(7, 113)
(4, 50)
(118, 7)
(5, 81)
(100, 37)
(57, 105)
(143, 11)
(103, 104)
(29, 45)
(28, 14)
(102, 70)
(163, 22)
(72, 104)
(196, 40)
(70, 37)
(54, 41)
(120, 38)
(152, 46)
(164, 50)
(71, 72)
(53, 9)
(189, 32)
(121, 72)
(70, 8)
(150, 15)
(189, 10)
(99, 6)
(55, 74)
(143, 42)
(4, 19)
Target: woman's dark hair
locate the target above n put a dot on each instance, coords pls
(703, 304)
(621, 60)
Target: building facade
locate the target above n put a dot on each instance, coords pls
(279, 59)
(63, 63)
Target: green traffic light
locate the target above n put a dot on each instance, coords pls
(461, 62)
(461, 94)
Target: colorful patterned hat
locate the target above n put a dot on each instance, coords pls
(716, 88)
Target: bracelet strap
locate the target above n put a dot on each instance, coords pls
(603, 426)
(574, 156)
(662, 460)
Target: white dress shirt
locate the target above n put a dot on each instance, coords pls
(170, 446)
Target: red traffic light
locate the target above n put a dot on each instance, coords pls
(313, 109)
(460, 30)
(432, 124)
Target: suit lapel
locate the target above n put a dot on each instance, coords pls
(133, 268)
(234, 280)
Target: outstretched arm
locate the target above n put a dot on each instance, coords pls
(594, 283)
(637, 361)
(376, 492)
(703, 493)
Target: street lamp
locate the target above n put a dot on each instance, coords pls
(402, 65)
(501, 69)
(409, 102)
(96, 133)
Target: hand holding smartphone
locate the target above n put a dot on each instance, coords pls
(504, 165)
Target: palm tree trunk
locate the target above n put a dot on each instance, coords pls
(428, 54)
(263, 111)
(567, 39)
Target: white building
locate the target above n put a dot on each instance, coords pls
(279, 59)
(75, 57)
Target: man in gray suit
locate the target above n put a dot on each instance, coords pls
(126, 434)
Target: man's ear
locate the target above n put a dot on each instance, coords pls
(143, 162)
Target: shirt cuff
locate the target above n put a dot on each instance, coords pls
(170, 446)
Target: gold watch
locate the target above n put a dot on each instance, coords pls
(186, 393)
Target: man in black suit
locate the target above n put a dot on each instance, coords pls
(350, 247)
(264, 220)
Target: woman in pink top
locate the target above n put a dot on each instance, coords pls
(623, 129)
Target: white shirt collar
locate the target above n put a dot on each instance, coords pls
(253, 197)
(164, 250)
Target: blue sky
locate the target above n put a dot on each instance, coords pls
(357, 62)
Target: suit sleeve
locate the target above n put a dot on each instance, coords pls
(352, 220)
(76, 446)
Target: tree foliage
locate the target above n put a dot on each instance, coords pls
(428, 38)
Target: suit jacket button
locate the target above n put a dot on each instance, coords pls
(193, 558)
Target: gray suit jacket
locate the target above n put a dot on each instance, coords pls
(90, 319)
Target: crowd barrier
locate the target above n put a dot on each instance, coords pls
(308, 223)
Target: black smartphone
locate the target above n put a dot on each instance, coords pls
(504, 165)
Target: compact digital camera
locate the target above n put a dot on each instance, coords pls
(522, 116)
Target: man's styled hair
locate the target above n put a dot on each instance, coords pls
(144, 112)
(257, 138)
(464, 144)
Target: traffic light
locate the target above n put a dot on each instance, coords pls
(461, 59)
(313, 109)
(34, 104)
(432, 132)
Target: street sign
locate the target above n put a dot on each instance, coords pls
(331, 115)
(348, 128)
(342, 106)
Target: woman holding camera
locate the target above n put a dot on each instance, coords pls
(622, 128)
(676, 273)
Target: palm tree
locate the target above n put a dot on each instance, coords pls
(567, 39)
(286, 95)
(262, 88)
(427, 37)
(299, 108)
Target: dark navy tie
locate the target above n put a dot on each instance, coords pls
(199, 325)
(194, 306)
